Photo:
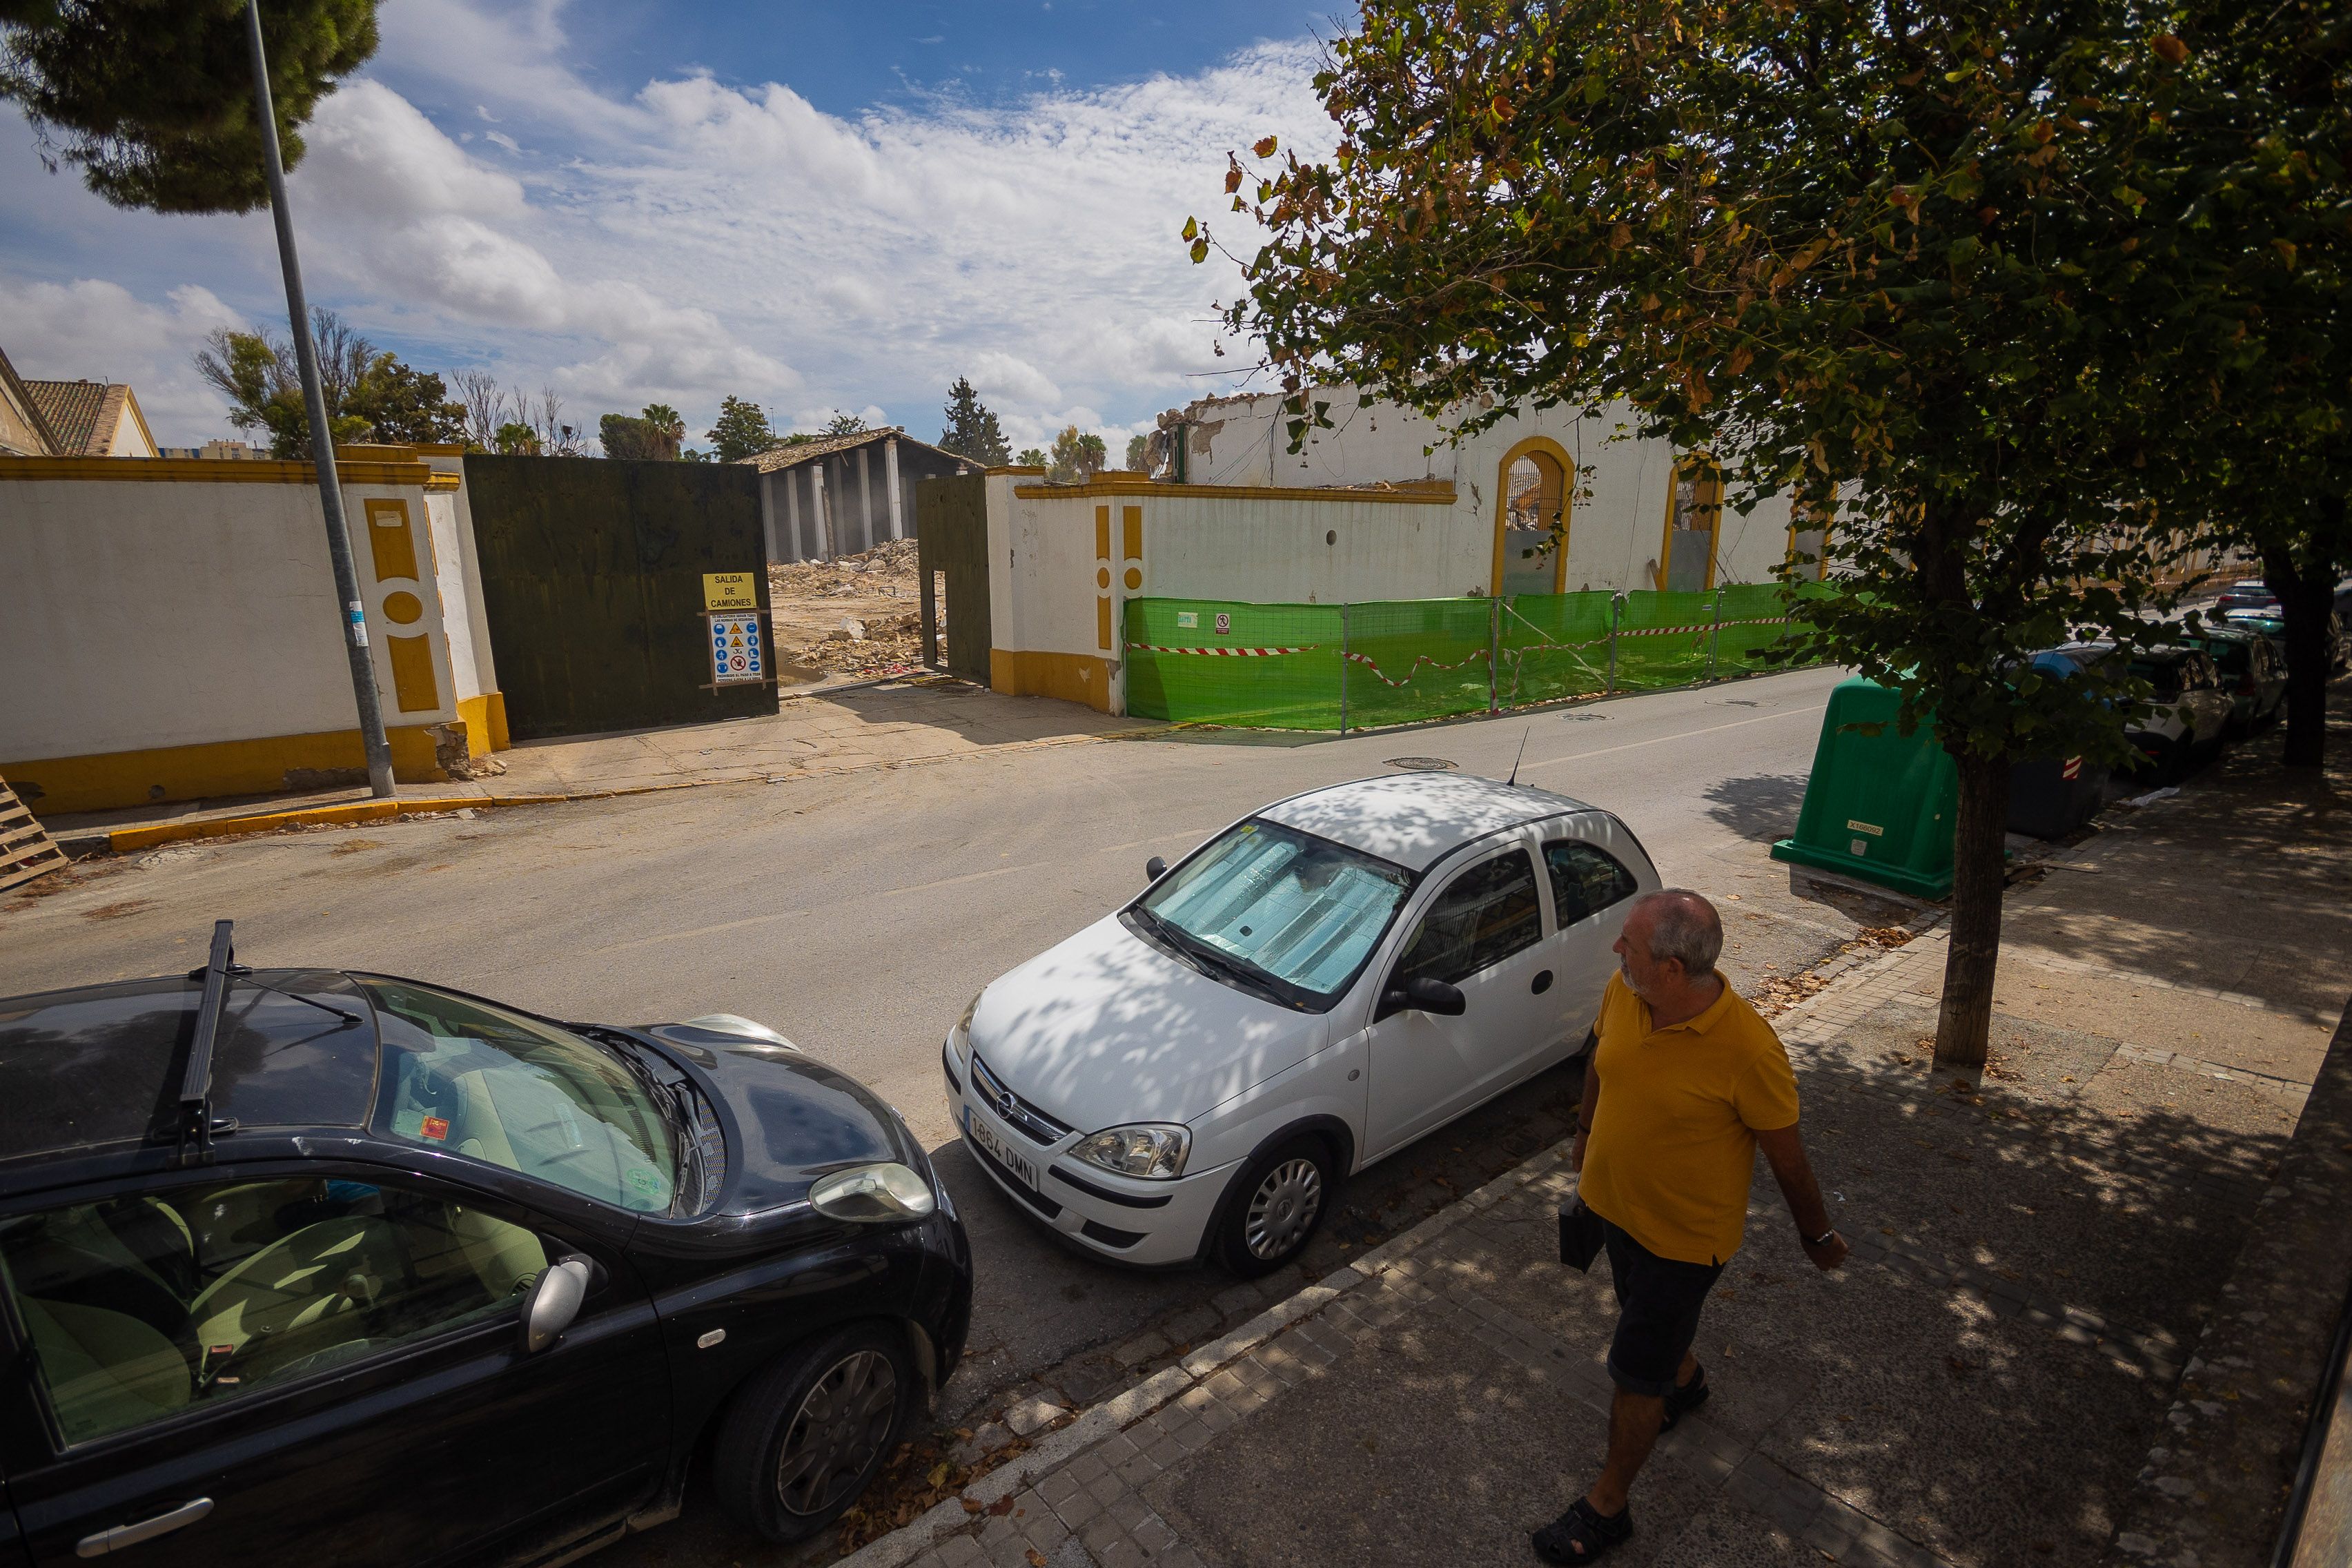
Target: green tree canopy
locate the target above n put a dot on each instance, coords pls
(152, 100)
(516, 439)
(1031, 457)
(1077, 457)
(741, 430)
(845, 425)
(2248, 272)
(658, 434)
(1139, 454)
(403, 403)
(972, 429)
(370, 395)
(1884, 253)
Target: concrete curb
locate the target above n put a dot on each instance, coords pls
(127, 840)
(1125, 1409)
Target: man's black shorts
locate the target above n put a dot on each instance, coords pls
(1658, 1302)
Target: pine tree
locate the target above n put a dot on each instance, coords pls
(973, 431)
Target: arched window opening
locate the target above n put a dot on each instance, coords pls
(1694, 512)
(1533, 525)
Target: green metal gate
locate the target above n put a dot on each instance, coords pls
(951, 536)
(591, 581)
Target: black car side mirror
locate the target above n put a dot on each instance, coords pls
(1422, 995)
(1154, 868)
(554, 1302)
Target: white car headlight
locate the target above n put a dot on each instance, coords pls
(873, 1194)
(1149, 1150)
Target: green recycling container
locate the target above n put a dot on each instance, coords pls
(1878, 807)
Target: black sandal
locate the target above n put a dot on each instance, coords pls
(1682, 1401)
(1583, 1533)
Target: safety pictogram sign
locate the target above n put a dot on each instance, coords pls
(736, 654)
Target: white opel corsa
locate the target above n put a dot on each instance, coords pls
(1312, 989)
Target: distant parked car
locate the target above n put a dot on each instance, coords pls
(2273, 627)
(2190, 715)
(2250, 595)
(305, 1266)
(2252, 671)
(1324, 982)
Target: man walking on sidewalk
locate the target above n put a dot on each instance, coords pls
(1685, 1084)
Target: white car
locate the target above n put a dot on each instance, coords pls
(1309, 991)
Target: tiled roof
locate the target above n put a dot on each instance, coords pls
(815, 447)
(20, 398)
(74, 411)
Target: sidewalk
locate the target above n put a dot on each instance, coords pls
(1993, 1378)
(830, 730)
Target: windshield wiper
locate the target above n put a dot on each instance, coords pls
(676, 1100)
(1248, 975)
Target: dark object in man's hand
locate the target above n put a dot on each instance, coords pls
(1579, 1236)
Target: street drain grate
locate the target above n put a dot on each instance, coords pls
(1422, 764)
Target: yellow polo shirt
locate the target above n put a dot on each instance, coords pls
(1672, 1146)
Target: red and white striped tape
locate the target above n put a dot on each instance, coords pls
(1366, 660)
(1222, 652)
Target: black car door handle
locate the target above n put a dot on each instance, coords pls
(1542, 982)
(123, 1535)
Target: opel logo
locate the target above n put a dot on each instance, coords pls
(1006, 1104)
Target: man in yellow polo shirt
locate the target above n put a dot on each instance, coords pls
(1685, 1084)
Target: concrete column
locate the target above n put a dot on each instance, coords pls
(890, 473)
(865, 497)
(792, 482)
(826, 550)
(767, 515)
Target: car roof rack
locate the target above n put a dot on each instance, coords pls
(196, 1123)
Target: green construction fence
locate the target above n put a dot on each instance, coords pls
(1352, 666)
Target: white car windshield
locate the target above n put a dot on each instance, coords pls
(1281, 906)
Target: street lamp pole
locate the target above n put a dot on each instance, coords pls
(351, 611)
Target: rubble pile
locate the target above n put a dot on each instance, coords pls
(859, 615)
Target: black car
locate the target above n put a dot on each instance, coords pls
(326, 1266)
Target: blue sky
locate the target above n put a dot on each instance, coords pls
(819, 207)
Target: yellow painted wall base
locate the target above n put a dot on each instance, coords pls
(485, 722)
(55, 786)
(1072, 676)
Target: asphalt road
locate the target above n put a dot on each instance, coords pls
(860, 914)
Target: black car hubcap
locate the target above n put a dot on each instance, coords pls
(837, 1433)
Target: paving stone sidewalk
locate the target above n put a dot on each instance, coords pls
(2039, 1249)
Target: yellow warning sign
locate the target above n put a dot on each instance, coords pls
(729, 591)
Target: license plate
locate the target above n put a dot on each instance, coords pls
(999, 1150)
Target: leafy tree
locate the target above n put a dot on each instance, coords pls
(2252, 241)
(257, 373)
(1891, 249)
(1031, 457)
(845, 425)
(1139, 454)
(1076, 457)
(152, 100)
(656, 433)
(740, 431)
(516, 439)
(972, 430)
(404, 404)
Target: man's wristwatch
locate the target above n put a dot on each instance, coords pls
(1822, 1239)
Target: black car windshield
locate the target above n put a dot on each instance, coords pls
(473, 1079)
(1293, 909)
(2164, 675)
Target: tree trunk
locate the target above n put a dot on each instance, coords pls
(2306, 596)
(1978, 868)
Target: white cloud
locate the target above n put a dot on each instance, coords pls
(688, 237)
(92, 329)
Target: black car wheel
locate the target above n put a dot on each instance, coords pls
(809, 1434)
(1277, 1207)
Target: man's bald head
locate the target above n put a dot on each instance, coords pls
(1679, 924)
